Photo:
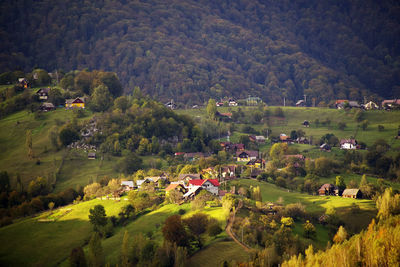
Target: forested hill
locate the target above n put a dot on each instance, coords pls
(192, 50)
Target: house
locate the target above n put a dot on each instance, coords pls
(127, 185)
(339, 104)
(228, 172)
(232, 103)
(284, 138)
(326, 190)
(306, 123)
(78, 102)
(301, 103)
(228, 146)
(188, 177)
(388, 104)
(352, 193)
(43, 93)
(171, 104)
(91, 155)
(238, 147)
(139, 183)
(325, 147)
(192, 192)
(211, 185)
(219, 104)
(258, 163)
(47, 106)
(348, 144)
(226, 115)
(23, 82)
(246, 155)
(177, 187)
(296, 156)
(371, 105)
(258, 138)
(302, 140)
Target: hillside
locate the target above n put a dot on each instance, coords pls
(193, 50)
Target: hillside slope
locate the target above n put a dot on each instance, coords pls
(192, 50)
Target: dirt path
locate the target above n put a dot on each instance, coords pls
(229, 228)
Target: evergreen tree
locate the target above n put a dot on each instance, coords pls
(96, 255)
(77, 258)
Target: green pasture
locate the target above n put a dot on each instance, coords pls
(321, 236)
(216, 253)
(30, 242)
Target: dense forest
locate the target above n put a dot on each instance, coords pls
(192, 50)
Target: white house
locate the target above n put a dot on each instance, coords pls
(211, 185)
(127, 185)
(348, 144)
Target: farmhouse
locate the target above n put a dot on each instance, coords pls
(325, 147)
(43, 93)
(193, 191)
(257, 138)
(91, 155)
(127, 185)
(211, 185)
(326, 190)
(188, 176)
(348, 144)
(47, 106)
(232, 103)
(301, 103)
(177, 187)
(139, 183)
(302, 140)
(371, 105)
(387, 104)
(352, 193)
(258, 163)
(22, 82)
(296, 156)
(228, 171)
(246, 155)
(78, 102)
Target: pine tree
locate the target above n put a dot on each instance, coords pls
(96, 255)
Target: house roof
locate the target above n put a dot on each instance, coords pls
(188, 175)
(91, 154)
(341, 101)
(127, 183)
(76, 100)
(238, 146)
(200, 182)
(172, 187)
(300, 102)
(327, 187)
(325, 146)
(350, 192)
(348, 141)
(391, 101)
(192, 190)
(47, 105)
(249, 153)
(43, 91)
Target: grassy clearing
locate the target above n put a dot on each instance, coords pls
(33, 243)
(216, 253)
(322, 236)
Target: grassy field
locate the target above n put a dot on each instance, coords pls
(216, 253)
(76, 168)
(33, 243)
(295, 116)
(321, 237)
(317, 204)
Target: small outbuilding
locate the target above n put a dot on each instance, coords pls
(91, 155)
(352, 193)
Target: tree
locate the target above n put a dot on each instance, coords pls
(364, 124)
(309, 230)
(340, 182)
(68, 134)
(130, 163)
(101, 98)
(4, 182)
(211, 109)
(98, 217)
(174, 231)
(77, 258)
(91, 190)
(126, 251)
(28, 142)
(51, 206)
(122, 103)
(287, 221)
(96, 255)
(38, 187)
(340, 236)
(388, 204)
